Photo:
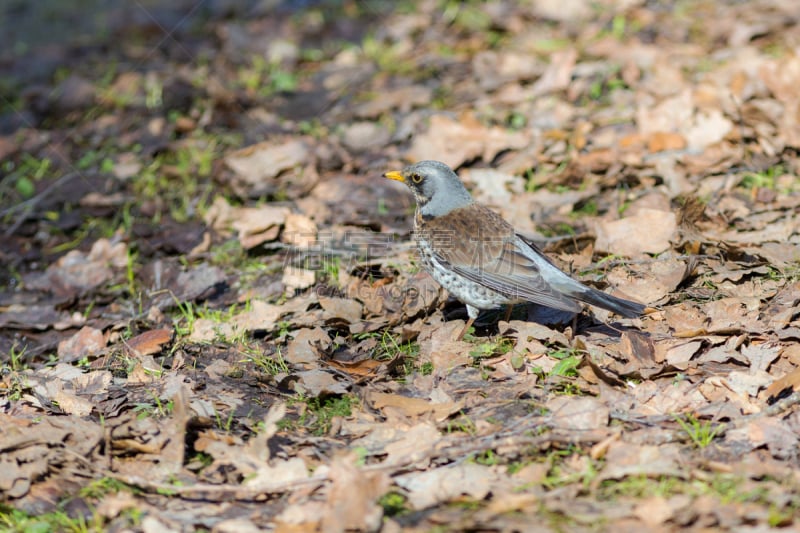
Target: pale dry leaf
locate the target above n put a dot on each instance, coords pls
(301, 517)
(686, 320)
(656, 510)
(526, 331)
(266, 160)
(86, 342)
(771, 432)
(725, 315)
(778, 231)
(629, 459)
(257, 225)
(316, 382)
(69, 402)
(648, 231)
(650, 282)
(558, 74)
(437, 344)
(782, 77)
(298, 278)
(492, 186)
(672, 114)
(396, 404)
(563, 10)
(680, 354)
(747, 383)
(707, 129)
(92, 382)
(668, 398)
(144, 372)
(454, 142)
(578, 414)
(410, 442)
(364, 136)
(348, 310)
(78, 271)
(493, 69)
(218, 368)
(207, 330)
(447, 483)
(307, 347)
(299, 230)
(352, 497)
(761, 355)
(262, 315)
(276, 475)
(402, 98)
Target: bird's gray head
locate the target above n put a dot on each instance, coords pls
(436, 187)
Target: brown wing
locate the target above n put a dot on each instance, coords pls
(478, 244)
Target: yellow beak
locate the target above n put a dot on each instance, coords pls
(394, 175)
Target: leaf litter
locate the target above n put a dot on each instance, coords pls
(211, 316)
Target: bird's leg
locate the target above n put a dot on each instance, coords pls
(466, 328)
(509, 310)
(472, 313)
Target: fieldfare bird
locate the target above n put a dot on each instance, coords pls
(480, 259)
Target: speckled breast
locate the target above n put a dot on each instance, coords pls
(465, 290)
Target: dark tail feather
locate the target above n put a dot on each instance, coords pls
(626, 308)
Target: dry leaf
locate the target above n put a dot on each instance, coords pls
(648, 231)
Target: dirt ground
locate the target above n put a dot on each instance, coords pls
(212, 317)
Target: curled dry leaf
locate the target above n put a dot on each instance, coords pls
(257, 225)
(150, 342)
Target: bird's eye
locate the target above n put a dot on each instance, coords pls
(416, 178)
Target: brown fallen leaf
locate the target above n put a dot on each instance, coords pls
(340, 310)
(780, 386)
(86, 342)
(150, 342)
(413, 407)
(660, 141)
